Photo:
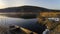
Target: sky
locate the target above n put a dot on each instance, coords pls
(50, 4)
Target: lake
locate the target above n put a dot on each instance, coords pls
(26, 23)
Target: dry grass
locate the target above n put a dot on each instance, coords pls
(3, 29)
(27, 31)
(48, 23)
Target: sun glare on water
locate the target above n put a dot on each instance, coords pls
(3, 16)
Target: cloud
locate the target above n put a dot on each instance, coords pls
(51, 4)
(2, 5)
(11, 3)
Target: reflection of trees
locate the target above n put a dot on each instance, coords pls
(26, 16)
(20, 15)
(29, 16)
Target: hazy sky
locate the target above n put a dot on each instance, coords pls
(51, 4)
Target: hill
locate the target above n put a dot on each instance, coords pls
(24, 9)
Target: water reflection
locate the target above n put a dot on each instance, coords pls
(14, 21)
(30, 24)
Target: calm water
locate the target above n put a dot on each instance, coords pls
(27, 23)
(16, 21)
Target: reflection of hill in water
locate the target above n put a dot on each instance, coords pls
(26, 23)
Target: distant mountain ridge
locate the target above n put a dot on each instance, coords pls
(24, 9)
